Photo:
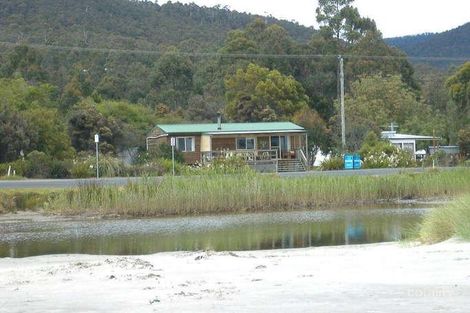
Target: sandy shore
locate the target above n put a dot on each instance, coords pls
(366, 278)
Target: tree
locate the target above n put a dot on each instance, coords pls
(394, 61)
(338, 19)
(375, 101)
(459, 88)
(203, 108)
(52, 137)
(458, 106)
(317, 130)
(258, 94)
(21, 95)
(85, 121)
(133, 120)
(25, 62)
(16, 134)
(173, 78)
(464, 142)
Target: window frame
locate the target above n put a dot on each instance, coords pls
(185, 138)
(246, 139)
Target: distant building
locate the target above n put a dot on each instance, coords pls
(405, 141)
(449, 150)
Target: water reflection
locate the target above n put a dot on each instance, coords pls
(219, 233)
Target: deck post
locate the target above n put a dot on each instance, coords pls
(306, 149)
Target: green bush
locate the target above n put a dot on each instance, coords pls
(85, 166)
(60, 169)
(377, 153)
(17, 168)
(38, 165)
(333, 163)
(82, 169)
(162, 151)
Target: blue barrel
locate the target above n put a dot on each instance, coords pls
(348, 162)
(357, 161)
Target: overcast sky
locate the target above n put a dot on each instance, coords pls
(393, 17)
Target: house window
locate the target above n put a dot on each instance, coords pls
(263, 143)
(185, 144)
(279, 142)
(409, 147)
(244, 143)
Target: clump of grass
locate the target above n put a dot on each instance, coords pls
(21, 200)
(253, 192)
(443, 223)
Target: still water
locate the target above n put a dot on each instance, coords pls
(21, 238)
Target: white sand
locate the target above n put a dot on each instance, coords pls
(366, 278)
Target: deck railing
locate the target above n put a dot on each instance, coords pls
(247, 155)
(302, 157)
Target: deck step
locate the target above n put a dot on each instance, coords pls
(290, 166)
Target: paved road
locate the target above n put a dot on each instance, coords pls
(119, 181)
(64, 183)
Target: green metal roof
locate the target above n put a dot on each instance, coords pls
(230, 128)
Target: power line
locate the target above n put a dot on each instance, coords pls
(234, 55)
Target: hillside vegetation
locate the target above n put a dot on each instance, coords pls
(454, 43)
(124, 24)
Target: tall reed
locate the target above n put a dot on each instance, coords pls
(446, 222)
(254, 192)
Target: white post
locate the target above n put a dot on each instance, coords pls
(343, 119)
(173, 144)
(97, 140)
(306, 149)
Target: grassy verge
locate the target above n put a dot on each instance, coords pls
(443, 223)
(25, 199)
(251, 192)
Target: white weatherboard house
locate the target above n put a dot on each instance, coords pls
(405, 141)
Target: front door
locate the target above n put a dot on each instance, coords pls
(281, 144)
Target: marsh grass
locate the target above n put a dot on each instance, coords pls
(253, 192)
(449, 221)
(12, 201)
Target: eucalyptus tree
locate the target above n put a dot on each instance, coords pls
(338, 19)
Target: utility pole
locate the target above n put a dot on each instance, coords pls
(343, 119)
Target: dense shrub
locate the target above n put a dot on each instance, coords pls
(38, 165)
(377, 153)
(333, 163)
(60, 169)
(85, 166)
(17, 168)
(162, 151)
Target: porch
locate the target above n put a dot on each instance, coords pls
(263, 160)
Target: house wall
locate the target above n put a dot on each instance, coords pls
(154, 143)
(296, 141)
(195, 156)
(206, 143)
(403, 142)
(223, 143)
(189, 157)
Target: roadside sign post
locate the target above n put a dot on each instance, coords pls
(97, 141)
(173, 144)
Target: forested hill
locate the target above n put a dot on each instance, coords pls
(454, 43)
(124, 24)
